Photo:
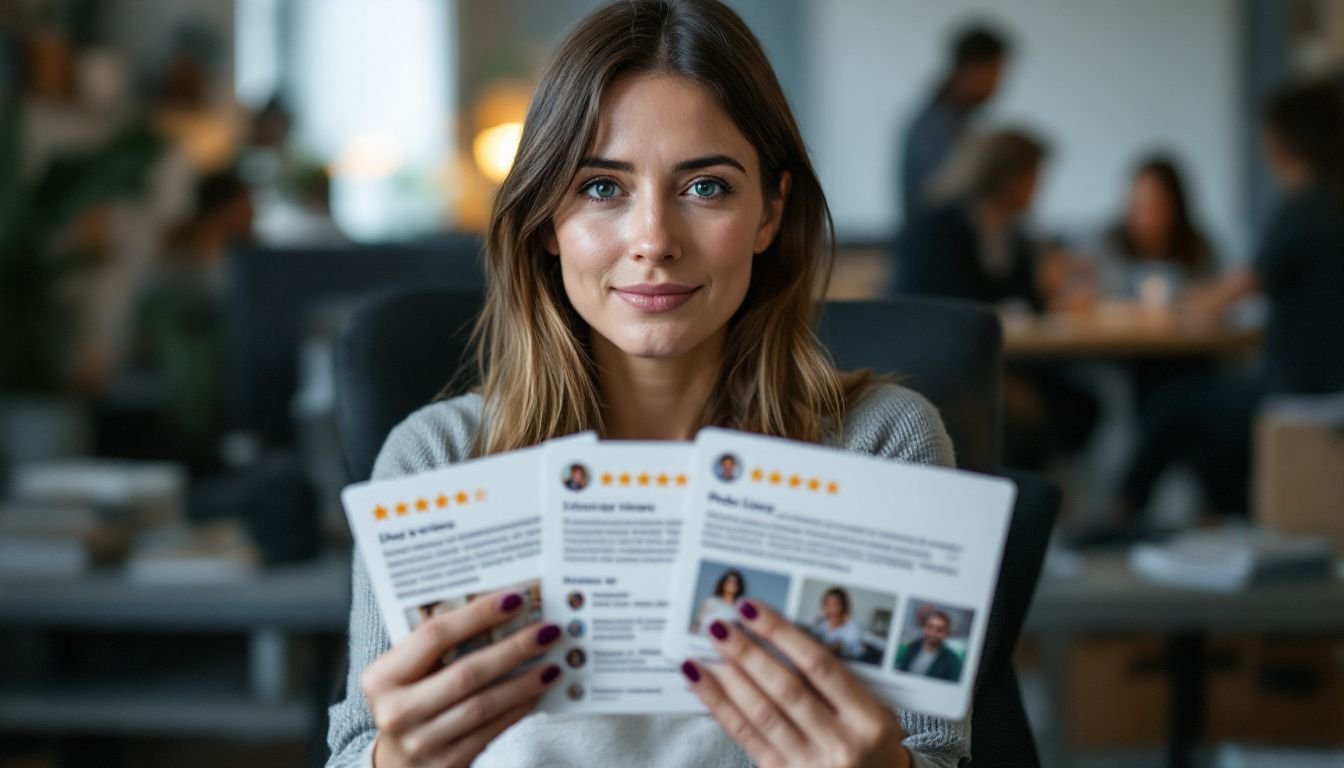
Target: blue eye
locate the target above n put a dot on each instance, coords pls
(708, 188)
(601, 189)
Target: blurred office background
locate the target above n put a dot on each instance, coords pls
(196, 194)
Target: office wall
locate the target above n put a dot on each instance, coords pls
(1104, 81)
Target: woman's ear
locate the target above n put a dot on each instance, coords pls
(548, 239)
(774, 212)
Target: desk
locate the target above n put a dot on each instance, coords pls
(1107, 597)
(270, 608)
(1113, 334)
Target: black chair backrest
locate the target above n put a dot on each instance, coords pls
(397, 353)
(947, 350)
(273, 289)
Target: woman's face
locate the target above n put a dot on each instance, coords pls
(658, 230)
(832, 607)
(732, 587)
(1151, 213)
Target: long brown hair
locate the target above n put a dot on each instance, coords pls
(537, 372)
(1186, 246)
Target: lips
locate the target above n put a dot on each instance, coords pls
(656, 297)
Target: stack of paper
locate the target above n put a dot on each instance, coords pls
(1230, 558)
(636, 549)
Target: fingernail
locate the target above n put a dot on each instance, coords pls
(747, 610)
(547, 634)
(549, 674)
(511, 602)
(688, 669)
(718, 629)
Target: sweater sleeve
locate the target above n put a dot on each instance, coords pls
(896, 423)
(436, 435)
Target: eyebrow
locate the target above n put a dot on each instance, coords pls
(685, 165)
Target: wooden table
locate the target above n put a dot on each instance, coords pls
(1121, 333)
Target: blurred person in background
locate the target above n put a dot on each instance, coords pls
(180, 315)
(975, 67)
(973, 244)
(1157, 227)
(1298, 267)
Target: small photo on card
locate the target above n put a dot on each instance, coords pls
(934, 640)
(530, 613)
(575, 477)
(854, 622)
(720, 587)
(727, 467)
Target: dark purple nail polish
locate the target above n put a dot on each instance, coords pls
(548, 634)
(549, 674)
(688, 669)
(718, 629)
(747, 610)
(511, 602)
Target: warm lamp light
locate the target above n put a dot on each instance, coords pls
(494, 149)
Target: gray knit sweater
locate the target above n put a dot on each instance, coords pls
(888, 421)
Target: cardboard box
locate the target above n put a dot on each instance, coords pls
(1269, 690)
(1299, 467)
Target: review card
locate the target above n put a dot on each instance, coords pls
(611, 528)
(434, 541)
(890, 565)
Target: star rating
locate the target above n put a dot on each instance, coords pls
(462, 498)
(606, 478)
(663, 480)
(441, 501)
(757, 474)
(775, 477)
(832, 487)
(814, 484)
(624, 478)
(643, 478)
(401, 508)
(380, 512)
(681, 479)
(480, 494)
(795, 481)
(421, 505)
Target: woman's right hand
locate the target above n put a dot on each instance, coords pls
(429, 715)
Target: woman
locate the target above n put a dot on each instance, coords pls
(653, 260)
(835, 628)
(974, 245)
(722, 605)
(1157, 228)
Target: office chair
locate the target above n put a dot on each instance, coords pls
(949, 351)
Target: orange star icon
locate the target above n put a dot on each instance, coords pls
(662, 479)
(606, 478)
(832, 487)
(421, 505)
(775, 477)
(461, 498)
(814, 484)
(441, 502)
(756, 475)
(401, 508)
(681, 479)
(643, 478)
(380, 512)
(624, 478)
(480, 494)
(795, 481)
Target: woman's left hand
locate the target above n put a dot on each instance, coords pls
(818, 716)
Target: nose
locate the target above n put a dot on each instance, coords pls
(654, 230)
